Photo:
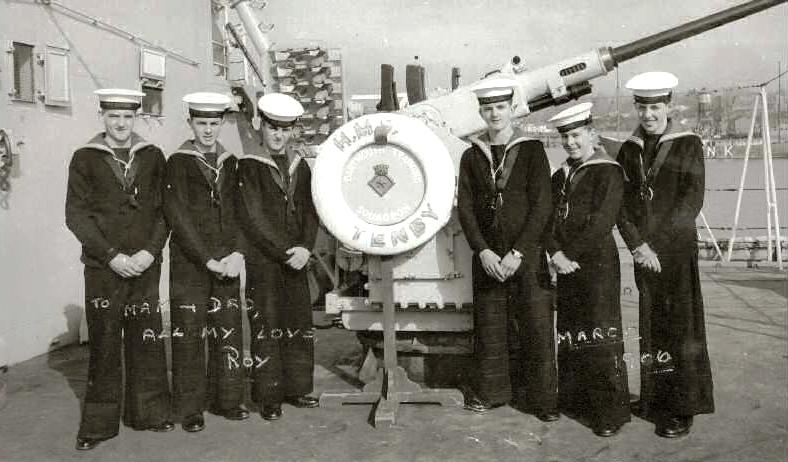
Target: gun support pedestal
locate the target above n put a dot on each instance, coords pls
(392, 385)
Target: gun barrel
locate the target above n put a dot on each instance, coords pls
(678, 33)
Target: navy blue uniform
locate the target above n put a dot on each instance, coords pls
(511, 215)
(661, 210)
(276, 213)
(591, 369)
(199, 204)
(114, 205)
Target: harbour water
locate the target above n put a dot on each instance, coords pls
(722, 183)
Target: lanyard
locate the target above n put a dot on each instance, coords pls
(562, 209)
(130, 193)
(499, 184)
(216, 170)
(126, 165)
(495, 171)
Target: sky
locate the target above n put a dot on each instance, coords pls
(478, 36)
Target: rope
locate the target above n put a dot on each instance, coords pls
(759, 85)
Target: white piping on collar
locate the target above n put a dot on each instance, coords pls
(636, 140)
(191, 152)
(568, 177)
(668, 136)
(201, 157)
(673, 136)
(100, 147)
(294, 164)
(266, 160)
(108, 149)
(270, 162)
(485, 148)
(132, 151)
(565, 166)
(95, 143)
(138, 146)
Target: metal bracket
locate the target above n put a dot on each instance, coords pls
(382, 134)
(557, 88)
(392, 385)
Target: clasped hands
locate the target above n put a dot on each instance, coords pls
(299, 257)
(562, 263)
(228, 267)
(645, 256)
(499, 268)
(131, 266)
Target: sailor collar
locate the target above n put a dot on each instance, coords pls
(671, 133)
(483, 142)
(293, 156)
(572, 176)
(600, 156)
(505, 167)
(188, 148)
(128, 173)
(288, 187)
(99, 142)
(125, 171)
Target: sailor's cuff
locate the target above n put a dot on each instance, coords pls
(111, 253)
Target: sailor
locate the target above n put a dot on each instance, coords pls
(587, 191)
(280, 225)
(504, 205)
(205, 261)
(114, 208)
(662, 199)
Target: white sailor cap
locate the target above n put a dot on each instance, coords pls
(494, 89)
(652, 87)
(119, 98)
(279, 109)
(207, 104)
(576, 116)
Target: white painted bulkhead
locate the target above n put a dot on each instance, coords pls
(41, 282)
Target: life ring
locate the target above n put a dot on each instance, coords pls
(383, 184)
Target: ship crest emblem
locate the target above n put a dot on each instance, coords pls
(381, 183)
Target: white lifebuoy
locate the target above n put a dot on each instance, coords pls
(383, 184)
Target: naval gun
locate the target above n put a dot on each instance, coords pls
(384, 186)
(432, 260)
(569, 79)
